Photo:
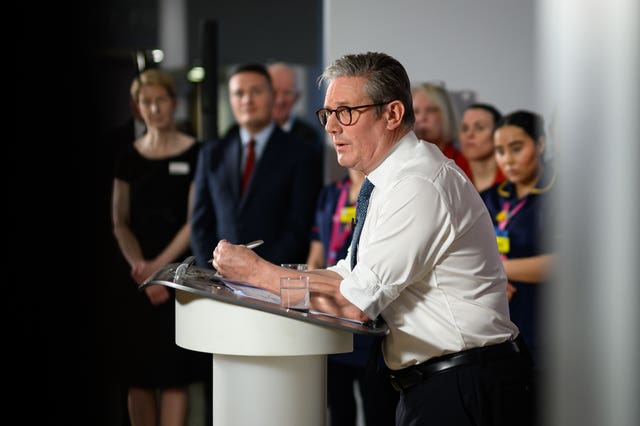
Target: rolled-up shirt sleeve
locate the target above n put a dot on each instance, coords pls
(406, 229)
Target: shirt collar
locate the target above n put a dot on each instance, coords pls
(288, 125)
(260, 138)
(389, 164)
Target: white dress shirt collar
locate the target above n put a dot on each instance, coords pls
(288, 125)
(260, 138)
(386, 169)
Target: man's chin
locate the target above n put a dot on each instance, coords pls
(279, 118)
(343, 161)
(255, 124)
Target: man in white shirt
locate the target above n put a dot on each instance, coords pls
(426, 260)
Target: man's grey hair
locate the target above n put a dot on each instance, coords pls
(387, 80)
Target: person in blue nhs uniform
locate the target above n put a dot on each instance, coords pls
(423, 258)
(521, 212)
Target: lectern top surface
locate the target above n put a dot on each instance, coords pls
(205, 282)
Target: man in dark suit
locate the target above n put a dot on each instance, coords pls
(287, 93)
(277, 202)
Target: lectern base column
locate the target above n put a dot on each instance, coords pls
(269, 390)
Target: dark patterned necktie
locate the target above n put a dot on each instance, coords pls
(361, 212)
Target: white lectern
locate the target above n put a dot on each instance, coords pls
(269, 363)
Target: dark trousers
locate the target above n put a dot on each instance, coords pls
(379, 399)
(491, 393)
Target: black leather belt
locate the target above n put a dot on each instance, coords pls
(411, 376)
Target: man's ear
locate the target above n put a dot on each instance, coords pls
(395, 112)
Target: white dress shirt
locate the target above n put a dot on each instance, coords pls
(428, 262)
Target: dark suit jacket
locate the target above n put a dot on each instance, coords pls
(278, 206)
(311, 137)
(305, 132)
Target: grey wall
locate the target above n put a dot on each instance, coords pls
(591, 64)
(484, 46)
(480, 50)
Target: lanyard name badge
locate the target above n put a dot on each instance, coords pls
(502, 235)
(342, 225)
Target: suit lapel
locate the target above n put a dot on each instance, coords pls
(232, 165)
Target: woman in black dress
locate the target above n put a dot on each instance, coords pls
(151, 198)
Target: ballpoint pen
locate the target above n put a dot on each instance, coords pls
(251, 245)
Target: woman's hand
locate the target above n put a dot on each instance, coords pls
(157, 294)
(142, 270)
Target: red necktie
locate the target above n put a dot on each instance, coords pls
(248, 166)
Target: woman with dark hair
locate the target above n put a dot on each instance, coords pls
(521, 213)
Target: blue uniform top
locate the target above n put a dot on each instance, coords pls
(526, 224)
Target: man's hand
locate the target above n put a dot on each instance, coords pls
(511, 290)
(235, 262)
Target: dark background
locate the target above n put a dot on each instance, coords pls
(71, 73)
(49, 217)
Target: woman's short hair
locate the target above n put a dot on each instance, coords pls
(153, 77)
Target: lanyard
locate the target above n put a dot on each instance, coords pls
(339, 232)
(504, 216)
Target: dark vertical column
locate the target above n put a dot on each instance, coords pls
(209, 86)
(208, 119)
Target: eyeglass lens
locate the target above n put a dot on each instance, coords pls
(343, 114)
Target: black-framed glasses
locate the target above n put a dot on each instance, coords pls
(343, 113)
